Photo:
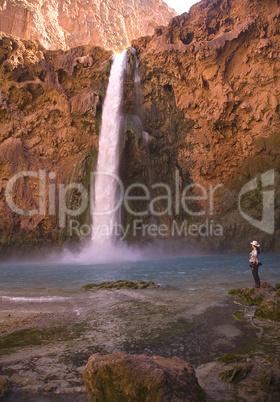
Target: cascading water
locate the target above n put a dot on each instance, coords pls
(106, 211)
(106, 217)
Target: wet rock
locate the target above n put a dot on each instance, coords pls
(267, 298)
(253, 373)
(269, 310)
(236, 374)
(122, 378)
(3, 386)
(121, 284)
(253, 296)
(230, 358)
(239, 315)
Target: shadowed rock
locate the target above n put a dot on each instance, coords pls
(267, 298)
(3, 386)
(121, 378)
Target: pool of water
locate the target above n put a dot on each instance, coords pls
(211, 274)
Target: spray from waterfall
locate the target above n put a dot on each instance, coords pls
(105, 212)
(106, 200)
(106, 208)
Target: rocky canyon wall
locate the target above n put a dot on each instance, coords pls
(50, 113)
(61, 24)
(211, 102)
(209, 109)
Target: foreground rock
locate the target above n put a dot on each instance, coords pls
(250, 378)
(3, 386)
(267, 298)
(121, 284)
(121, 377)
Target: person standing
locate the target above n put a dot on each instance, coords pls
(254, 260)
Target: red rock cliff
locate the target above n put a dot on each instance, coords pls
(50, 112)
(60, 24)
(211, 101)
(211, 95)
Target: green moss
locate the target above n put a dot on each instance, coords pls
(277, 286)
(252, 393)
(225, 376)
(98, 119)
(161, 336)
(272, 143)
(120, 284)
(255, 164)
(236, 374)
(269, 310)
(234, 292)
(247, 296)
(260, 143)
(239, 315)
(39, 336)
(230, 358)
(107, 68)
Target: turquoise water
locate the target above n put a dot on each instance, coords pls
(207, 273)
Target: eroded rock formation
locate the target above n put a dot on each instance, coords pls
(50, 112)
(62, 24)
(211, 96)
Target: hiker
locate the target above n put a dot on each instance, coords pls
(255, 263)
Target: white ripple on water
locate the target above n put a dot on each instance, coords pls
(41, 299)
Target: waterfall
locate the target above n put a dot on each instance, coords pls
(105, 214)
(105, 197)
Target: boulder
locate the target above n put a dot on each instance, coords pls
(267, 298)
(3, 386)
(120, 377)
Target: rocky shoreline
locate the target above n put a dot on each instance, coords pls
(44, 354)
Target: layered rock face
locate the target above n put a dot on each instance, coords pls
(61, 24)
(211, 96)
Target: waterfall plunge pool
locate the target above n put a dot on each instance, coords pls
(211, 275)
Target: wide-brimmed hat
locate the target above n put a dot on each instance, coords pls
(255, 243)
